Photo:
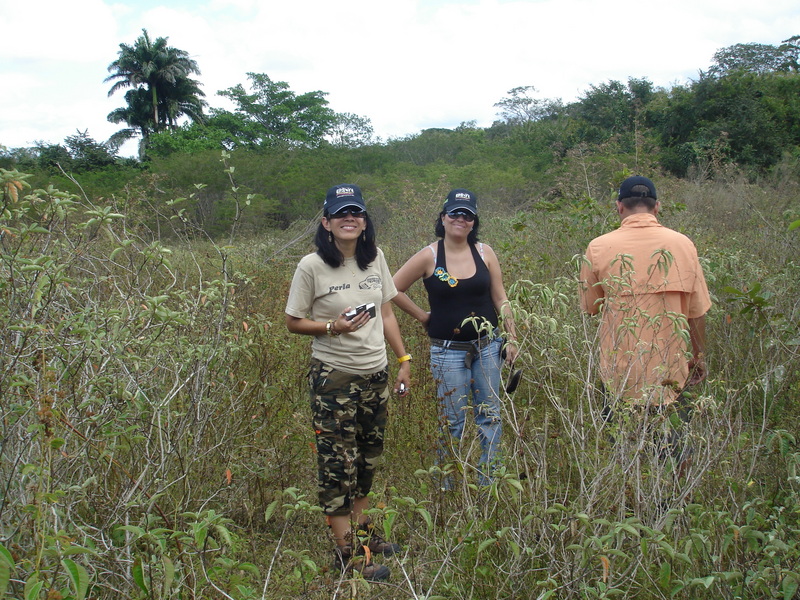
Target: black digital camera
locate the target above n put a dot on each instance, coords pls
(370, 308)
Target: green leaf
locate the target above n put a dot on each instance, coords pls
(33, 587)
(138, 575)
(6, 555)
(485, 544)
(70, 550)
(629, 528)
(270, 510)
(137, 531)
(426, 516)
(665, 574)
(78, 576)
(169, 574)
(515, 484)
(789, 586)
(6, 564)
(707, 582)
(732, 290)
(249, 568)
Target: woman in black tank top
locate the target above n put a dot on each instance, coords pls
(467, 299)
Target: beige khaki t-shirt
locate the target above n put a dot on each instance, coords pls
(646, 280)
(320, 292)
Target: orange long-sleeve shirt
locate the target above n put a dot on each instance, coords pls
(646, 281)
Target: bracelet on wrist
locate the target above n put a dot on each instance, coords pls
(330, 328)
(404, 358)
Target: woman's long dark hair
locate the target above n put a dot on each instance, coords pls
(366, 248)
(472, 238)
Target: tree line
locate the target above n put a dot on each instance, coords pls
(743, 110)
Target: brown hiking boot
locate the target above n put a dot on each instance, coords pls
(367, 535)
(344, 560)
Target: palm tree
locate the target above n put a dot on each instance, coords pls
(138, 118)
(159, 74)
(182, 98)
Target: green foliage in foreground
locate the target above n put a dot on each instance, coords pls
(155, 436)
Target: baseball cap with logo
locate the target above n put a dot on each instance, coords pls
(461, 198)
(341, 196)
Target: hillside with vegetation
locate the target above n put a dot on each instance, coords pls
(156, 438)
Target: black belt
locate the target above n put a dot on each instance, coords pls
(472, 349)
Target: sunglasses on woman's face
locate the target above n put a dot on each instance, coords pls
(467, 216)
(350, 210)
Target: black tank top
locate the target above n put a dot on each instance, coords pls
(451, 304)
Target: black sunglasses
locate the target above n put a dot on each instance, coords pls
(468, 216)
(350, 210)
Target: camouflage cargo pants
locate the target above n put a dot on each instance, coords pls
(349, 416)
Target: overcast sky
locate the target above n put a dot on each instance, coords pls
(405, 64)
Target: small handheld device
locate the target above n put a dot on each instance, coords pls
(370, 308)
(402, 389)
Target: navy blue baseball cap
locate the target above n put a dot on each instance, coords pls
(341, 196)
(626, 189)
(463, 199)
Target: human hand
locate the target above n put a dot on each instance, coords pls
(511, 352)
(403, 382)
(344, 325)
(697, 371)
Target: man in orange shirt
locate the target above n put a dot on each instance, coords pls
(647, 283)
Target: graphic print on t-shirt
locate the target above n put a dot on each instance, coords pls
(372, 282)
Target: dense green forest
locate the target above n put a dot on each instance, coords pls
(156, 438)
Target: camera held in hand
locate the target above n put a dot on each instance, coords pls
(370, 308)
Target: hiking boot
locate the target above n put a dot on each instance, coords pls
(367, 536)
(344, 560)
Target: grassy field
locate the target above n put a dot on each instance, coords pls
(156, 438)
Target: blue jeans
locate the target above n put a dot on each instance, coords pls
(454, 385)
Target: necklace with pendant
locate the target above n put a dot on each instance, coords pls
(349, 268)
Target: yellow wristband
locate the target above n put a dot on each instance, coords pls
(404, 358)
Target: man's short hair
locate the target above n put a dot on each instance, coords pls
(637, 191)
(639, 199)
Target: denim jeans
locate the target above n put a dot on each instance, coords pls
(455, 384)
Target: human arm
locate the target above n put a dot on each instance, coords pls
(415, 268)
(697, 365)
(391, 331)
(303, 301)
(338, 326)
(501, 303)
(591, 293)
(407, 305)
(699, 303)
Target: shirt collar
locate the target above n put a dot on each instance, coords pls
(640, 220)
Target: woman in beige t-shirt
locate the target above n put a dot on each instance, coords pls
(349, 368)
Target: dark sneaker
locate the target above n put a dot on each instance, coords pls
(368, 535)
(344, 560)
